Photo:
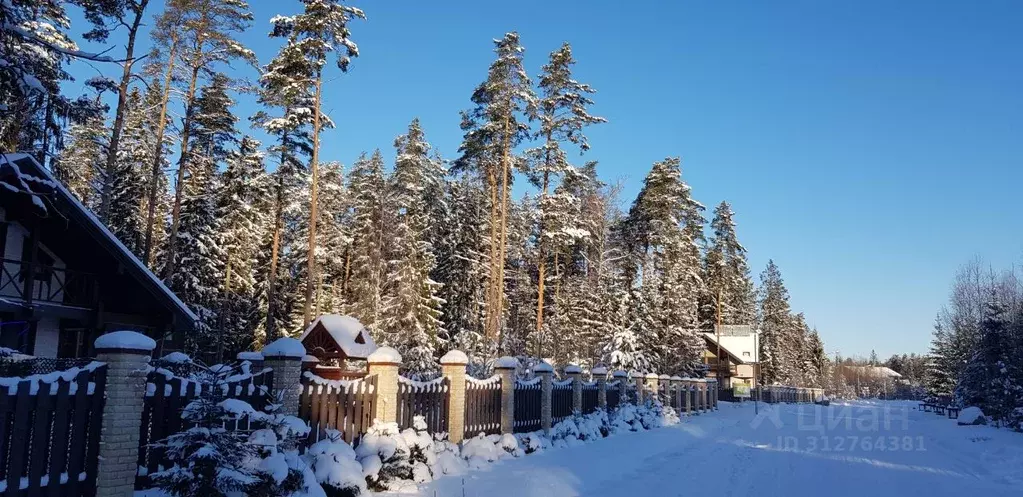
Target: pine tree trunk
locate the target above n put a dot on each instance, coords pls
(179, 185)
(122, 98)
(490, 296)
(271, 289)
(161, 126)
(541, 244)
(314, 171)
(505, 171)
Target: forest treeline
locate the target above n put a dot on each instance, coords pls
(430, 253)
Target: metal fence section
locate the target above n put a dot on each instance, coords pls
(561, 400)
(590, 400)
(614, 395)
(528, 405)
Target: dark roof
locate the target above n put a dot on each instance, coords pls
(28, 174)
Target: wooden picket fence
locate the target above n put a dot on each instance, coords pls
(50, 432)
(345, 406)
(561, 400)
(427, 399)
(168, 394)
(528, 398)
(482, 406)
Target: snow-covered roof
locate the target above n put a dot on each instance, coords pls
(29, 168)
(741, 348)
(876, 371)
(348, 333)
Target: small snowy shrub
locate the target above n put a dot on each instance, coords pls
(447, 457)
(209, 460)
(384, 455)
(533, 442)
(281, 470)
(421, 451)
(565, 433)
(335, 467)
(592, 426)
(625, 418)
(483, 449)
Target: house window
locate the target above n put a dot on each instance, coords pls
(359, 338)
(745, 354)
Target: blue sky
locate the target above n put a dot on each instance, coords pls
(868, 147)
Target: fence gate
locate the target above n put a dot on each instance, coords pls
(345, 406)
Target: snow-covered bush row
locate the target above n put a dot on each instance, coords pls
(398, 460)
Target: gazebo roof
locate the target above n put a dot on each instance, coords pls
(348, 335)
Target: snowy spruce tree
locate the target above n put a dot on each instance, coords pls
(773, 316)
(129, 178)
(367, 188)
(334, 241)
(241, 212)
(990, 380)
(199, 271)
(410, 311)
(727, 275)
(81, 159)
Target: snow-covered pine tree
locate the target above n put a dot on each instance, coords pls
(820, 365)
(206, 30)
(493, 128)
(462, 266)
(562, 112)
(335, 242)
(520, 313)
(128, 181)
(242, 198)
(33, 49)
(199, 271)
(726, 274)
(86, 150)
(774, 322)
(989, 381)
(319, 31)
(367, 187)
(410, 311)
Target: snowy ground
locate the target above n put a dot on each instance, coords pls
(857, 449)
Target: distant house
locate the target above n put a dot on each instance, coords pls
(333, 338)
(65, 279)
(737, 364)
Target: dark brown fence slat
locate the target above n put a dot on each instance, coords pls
(79, 435)
(40, 440)
(21, 428)
(59, 448)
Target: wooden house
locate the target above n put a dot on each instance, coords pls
(332, 338)
(65, 279)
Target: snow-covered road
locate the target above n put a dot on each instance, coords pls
(858, 449)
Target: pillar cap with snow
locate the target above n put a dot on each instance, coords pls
(455, 357)
(676, 378)
(506, 362)
(651, 376)
(620, 374)
(599, 371)
(543, 367)
(573, 369)
(250, 356)
(664, 377)
(284, 348)
(310, 359)
(384, 355)
(125, 342)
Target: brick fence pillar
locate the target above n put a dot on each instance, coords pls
(576, 373)
(599, 375)
(546, 373)
(452, 366)
(651, 384)
(640, 380)
(384, 363)
(126, 354)
(690, 395)
(284, 357)
(623, 385)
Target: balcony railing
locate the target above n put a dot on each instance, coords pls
(24, 281)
